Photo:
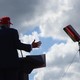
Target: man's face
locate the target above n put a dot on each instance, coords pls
(5, 25)
(8, 25)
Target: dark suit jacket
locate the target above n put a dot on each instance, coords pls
(9, 43)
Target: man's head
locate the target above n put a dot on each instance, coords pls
(5, 21)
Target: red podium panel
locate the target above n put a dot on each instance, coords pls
(72, 33)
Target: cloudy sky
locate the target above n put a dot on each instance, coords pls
(44, 20)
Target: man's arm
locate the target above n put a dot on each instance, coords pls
(26, 47)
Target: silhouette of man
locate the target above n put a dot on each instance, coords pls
(9, 43)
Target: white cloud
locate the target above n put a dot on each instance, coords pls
(29, 38)
(53, 16)
(59, 57)
(53, 22)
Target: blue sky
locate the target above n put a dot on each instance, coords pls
(44, 20)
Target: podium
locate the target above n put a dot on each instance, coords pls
(29, 63)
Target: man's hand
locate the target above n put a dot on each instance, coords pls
(36, 44)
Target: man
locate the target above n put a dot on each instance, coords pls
(9, 43)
